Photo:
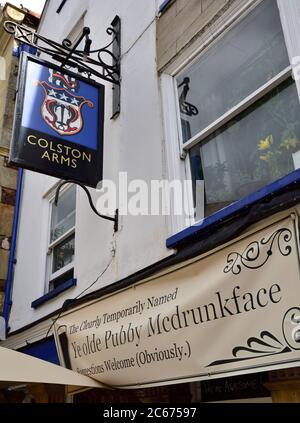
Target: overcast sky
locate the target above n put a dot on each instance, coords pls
(34, 5)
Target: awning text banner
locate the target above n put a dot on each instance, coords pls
(234, 311)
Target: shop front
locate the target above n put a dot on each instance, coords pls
(220, 325)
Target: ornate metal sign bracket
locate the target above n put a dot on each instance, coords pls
(114, 219)
(102, 63)
(185, 107)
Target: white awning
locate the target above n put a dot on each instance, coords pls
(19, 367)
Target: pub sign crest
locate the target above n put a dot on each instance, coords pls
(58, 125)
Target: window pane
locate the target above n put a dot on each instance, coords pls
(63, 215)
(244, 59)
(54, 283)
(261, 145)
(63, 254)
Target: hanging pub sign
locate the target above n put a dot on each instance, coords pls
(58, 127)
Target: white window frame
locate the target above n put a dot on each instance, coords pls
(178, 163)
(236, 110)
(50, 276)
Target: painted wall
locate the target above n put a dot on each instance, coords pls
(133, 143)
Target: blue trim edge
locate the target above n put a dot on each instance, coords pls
(44, 349)
(63, 287)
(164, 5)
(233, 209)
(11, 261)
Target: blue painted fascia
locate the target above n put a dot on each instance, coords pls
(28, 49)
(233, 209)
(164, 5)
(44, 350)
(54, 293)
(11, 259)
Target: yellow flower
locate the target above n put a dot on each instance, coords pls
(265, 158)
(289, 143)
(266, 143)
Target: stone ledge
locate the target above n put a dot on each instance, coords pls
(4, 151)
(8, 196)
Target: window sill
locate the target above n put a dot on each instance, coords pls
(54, 293)
(207, 226)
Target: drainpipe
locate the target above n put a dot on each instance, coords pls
(11, 260)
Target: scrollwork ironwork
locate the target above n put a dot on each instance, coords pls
(114, 219)
(67, 43)
(186, 108)
(85, 61)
